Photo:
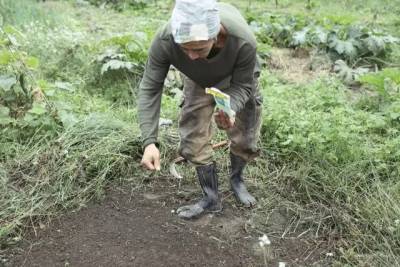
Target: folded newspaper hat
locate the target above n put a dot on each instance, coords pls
(195, 20)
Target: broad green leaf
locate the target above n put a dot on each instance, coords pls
(38, 109)
(4, 116)
(6, 120)
(110, 53)
(29, 118)
(4, 111)
(7, 82)
(354, 32)
(32, 62)
(347, 74)
(343, 71)
(10, 97)
(115, 65)
(375, 44)
(67, 118)
(346, 48)
(6, 57)
(394, 115)
(333, 41)
(349, 49)
(300, 37)
(64, 86)
(320, 36)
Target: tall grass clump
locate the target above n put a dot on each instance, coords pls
(21, 12)
(65, 173)
(342, 159)
(44, 172)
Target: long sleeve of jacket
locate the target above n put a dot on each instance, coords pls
(150, 92)
(242, 78)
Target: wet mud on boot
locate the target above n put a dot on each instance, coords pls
(210, 202)
(237, 184)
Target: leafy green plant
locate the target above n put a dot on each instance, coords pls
(120, 5)
(22, 103)
(382, 79)
(132, 47)
(347, 74)
(355, 49)
(277, 30)
(121, 64)
(387, 84)
(111, 60)
(352, 44)
(340, 157)
(15, 87)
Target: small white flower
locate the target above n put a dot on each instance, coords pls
(172, 211)
(397, 222)
(264, 241)
(282, 264)
(329, 254)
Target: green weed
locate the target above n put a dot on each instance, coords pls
(330, 156)
(342, 159)
(21, 12)
(66, 172)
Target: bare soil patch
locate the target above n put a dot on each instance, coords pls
(133, 227)
(298, 66)
(138, 229)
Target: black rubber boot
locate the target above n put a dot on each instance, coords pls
(210, 202)
(237, 184)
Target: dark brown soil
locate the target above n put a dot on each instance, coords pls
(140, 228)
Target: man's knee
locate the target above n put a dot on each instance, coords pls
(186, 153)
(198, 155)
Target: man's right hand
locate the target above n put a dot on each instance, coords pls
(151, 158)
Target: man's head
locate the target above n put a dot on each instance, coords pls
(195, 25)
(197, 49)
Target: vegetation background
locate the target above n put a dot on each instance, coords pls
(69, 73)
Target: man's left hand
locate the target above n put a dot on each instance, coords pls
(223, 121)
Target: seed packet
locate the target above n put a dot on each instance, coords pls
(222, 100)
